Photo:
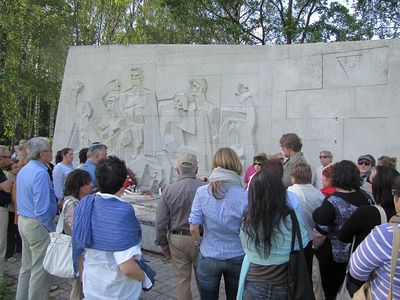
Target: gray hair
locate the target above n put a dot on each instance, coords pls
(327, 153)
(94, 148)
(4, 150)
(37, 145)
(186, 170)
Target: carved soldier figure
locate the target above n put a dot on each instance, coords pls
(206, 138)
(140, 108)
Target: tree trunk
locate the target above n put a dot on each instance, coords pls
(36, 116)
(52, 118)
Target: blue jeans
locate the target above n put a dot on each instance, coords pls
(258, 290)
(209, 272)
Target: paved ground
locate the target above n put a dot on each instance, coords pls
(164, 287)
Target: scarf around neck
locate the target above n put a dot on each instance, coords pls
(104, 223)
(224, 175)
(395, 219)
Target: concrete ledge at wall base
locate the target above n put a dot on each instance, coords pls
(145, 209)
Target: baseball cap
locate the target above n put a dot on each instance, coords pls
(187, 160)
(366, 157)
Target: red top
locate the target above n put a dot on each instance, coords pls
(328, 190)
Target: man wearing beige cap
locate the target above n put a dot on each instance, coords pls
(172, 226)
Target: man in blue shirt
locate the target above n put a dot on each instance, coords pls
(37, 205)
(96, 152)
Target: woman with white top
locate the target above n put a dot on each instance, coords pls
(106, 238)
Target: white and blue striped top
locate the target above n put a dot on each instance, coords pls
(375, 253)
(221, 221)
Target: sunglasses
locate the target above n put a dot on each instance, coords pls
(257, 164)
(395, 194)
(323, 156)
(364, 162)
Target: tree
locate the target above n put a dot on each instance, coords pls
(34, 51)
(380, 17)
(336, 24)
(250, 21)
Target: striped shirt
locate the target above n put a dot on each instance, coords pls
(221, 221)
(375, 252)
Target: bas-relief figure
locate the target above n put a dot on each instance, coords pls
(177, 120)
(140, 108)
(148, 133)
(239, 124)
(112, 120)
(205, 141)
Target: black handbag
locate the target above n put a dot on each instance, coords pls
(299, 281)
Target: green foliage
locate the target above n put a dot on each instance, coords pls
(35, 36)
(335, 24)
(5, 292)
(34, 48)
(382, 18)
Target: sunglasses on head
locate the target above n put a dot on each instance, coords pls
(364, 162)
(257, 164)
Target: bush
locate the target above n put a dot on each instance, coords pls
(5, 292)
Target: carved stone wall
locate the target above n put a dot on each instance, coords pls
(148, 103)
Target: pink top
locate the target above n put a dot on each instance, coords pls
(250, 171)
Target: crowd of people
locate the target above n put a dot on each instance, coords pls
(238, 228)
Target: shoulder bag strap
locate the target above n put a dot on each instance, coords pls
(60, 223)
(368, 196)
(351, 253)
(295, 230)
(395, 253)
(293, 233)
(382, 214)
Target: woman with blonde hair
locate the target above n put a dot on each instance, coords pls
(219, 207)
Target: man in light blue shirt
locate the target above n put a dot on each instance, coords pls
(37, 206)
(96, 152)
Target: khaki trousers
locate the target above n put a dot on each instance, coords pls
(183, 257)
(3, 237)
(316, 278)
(76, 289)
(33, 282)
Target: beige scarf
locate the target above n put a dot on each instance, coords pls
(395, 219)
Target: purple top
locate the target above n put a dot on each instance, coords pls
(375, 253)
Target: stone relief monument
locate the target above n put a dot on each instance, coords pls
(150, 103)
